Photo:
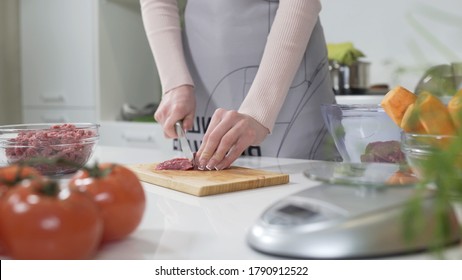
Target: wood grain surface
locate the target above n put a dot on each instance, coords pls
(203, 183)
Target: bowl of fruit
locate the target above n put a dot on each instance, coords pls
(431, 130)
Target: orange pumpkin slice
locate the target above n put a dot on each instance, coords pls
(411, 121)
(402, 178)
(455, 109)
(396, 102)
(434, 115)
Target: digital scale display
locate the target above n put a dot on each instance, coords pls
(296, 211)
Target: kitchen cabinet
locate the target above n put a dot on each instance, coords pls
(43, 114)
(132, 134)
(81, 60)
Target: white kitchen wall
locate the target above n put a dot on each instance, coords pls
(127, 69)
(10, 101)
(401, 38)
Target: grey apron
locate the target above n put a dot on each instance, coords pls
(224, 42)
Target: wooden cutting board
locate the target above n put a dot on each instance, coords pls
(202, 183)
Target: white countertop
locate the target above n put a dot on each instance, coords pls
(181, 226)
(359, 99)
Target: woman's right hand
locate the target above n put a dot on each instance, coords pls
(177, 104)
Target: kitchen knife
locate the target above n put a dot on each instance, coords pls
(184, 145)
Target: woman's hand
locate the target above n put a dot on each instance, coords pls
(177, 104)
(228, 135)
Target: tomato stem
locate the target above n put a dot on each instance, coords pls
(50, 188)
(17, 176)
(96, 172)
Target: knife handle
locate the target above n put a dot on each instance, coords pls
(179, 129)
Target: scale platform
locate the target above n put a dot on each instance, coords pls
(333, 221)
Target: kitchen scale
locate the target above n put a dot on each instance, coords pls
(346, 221)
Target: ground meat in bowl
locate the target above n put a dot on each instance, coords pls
(65, 141)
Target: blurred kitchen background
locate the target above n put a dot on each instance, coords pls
(89, 60)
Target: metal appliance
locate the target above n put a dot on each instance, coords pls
(350, 79)
(344, 222)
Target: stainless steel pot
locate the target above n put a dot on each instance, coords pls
(353, 79)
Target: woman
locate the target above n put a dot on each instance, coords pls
(245, 76)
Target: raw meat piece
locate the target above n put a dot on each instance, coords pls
(387, 151)
(176, 164)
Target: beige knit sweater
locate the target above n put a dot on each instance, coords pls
(286, 44)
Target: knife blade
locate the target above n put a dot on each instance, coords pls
(184, 144)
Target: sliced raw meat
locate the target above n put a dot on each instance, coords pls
(176, 164)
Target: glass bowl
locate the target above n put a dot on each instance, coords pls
(424, 150)
(369, 175)
(40, 145)
(363, 133)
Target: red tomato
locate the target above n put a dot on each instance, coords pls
(10, 176)
(118, 192)
(14, 174)
(40, 221)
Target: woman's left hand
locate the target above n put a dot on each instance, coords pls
(228, 135)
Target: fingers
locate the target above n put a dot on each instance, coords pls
(188, 122)
(215, 132)
(228, 135)
(234, 153)
(228, 143)
(168, 124)
(178, 104)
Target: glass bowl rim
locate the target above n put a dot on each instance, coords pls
(36, 127)
(426, 135)
(4, 144)
(416, 148)
(355, 107)
(44, 126)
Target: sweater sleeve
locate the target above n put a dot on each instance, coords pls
(162, 25)
(286, 44)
